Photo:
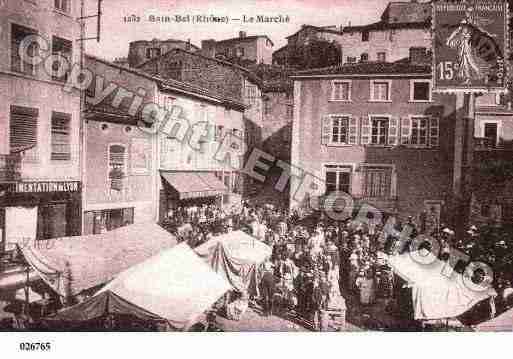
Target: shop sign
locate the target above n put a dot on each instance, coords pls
(43, 187)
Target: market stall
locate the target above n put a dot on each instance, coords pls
(174, 285)
(434, 294)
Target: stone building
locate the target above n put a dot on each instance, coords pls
(254, 49)
(40, 164)
(376, 132)
(222, 78)
(142, 50)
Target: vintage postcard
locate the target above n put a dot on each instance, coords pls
(255, 166)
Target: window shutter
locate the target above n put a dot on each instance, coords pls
(353, 130)
(366, 130)
(405, 130)
(393, 131)
(326, 130)
(23, 127)
(434, 132)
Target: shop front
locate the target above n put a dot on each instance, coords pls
(186, 189)
(39, 210)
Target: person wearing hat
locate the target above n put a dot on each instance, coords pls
(268, 287)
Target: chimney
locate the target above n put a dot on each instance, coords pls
(242, 34)
(208, 47)
(418, 55)
(188, 45)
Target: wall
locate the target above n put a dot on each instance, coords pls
(39, 91)
(137, 189)
(395, 43)
(421, 174)
(223, 79)
(137, 49)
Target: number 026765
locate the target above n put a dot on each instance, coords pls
(35, 346)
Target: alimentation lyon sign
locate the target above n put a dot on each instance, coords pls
(470, 45)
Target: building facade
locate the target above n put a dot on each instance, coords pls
(253, 49)
(121, 171)
(39, 124)
(222, 78)
(143, 50)
(376, 132)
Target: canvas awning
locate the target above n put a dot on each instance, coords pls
(436, 295)
(236, 256)
(188, 185)
(74, 264)
(175, 285)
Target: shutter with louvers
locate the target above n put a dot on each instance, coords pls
(405, 130)
(61, 149)
(366, 130)
(353, 130)
(434, 132)
(393, 131)
(23, 128)
(326, 130)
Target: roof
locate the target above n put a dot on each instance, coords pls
(175, 284)
(383, 25)
(222, 62)
(318, 28)
(245, 38)
(161, 41)
(275, 78)
(370, 68)
(173, 85)
(73, 264)
(283, 48)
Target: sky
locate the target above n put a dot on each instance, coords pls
(116, 34)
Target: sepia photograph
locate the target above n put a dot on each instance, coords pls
(341, 166)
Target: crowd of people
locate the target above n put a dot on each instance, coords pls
(316, 263)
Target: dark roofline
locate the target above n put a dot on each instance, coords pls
(252, 37)
(178, 86)
(367, 69)
(383, 25)
(168, 40)
(250, 75)
(281, 49)
(318, 28)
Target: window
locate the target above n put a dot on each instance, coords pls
(23, 128)
(379, 130)
(251, 94)
(377, 182)
(219, 133)
(380, 91)
(290, 111)
(109, 219)
(507, 213)
(240, 51)
(420, 131)
(153, 52)
(339, 130)
(61, 136)
(351, 59)
(52, 221)
(338, 178)
(382, 56)
(420, 90)
(341, 91)
(63, 5)
(364, 57)
(491, 133)
(117, 166)
(64, 48)
(365, 36)
(267, 107)
(18, 34)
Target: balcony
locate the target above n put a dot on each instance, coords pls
(10, 167)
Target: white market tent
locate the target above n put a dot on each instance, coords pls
(175, 285)
(435, 295)
(236, 256)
